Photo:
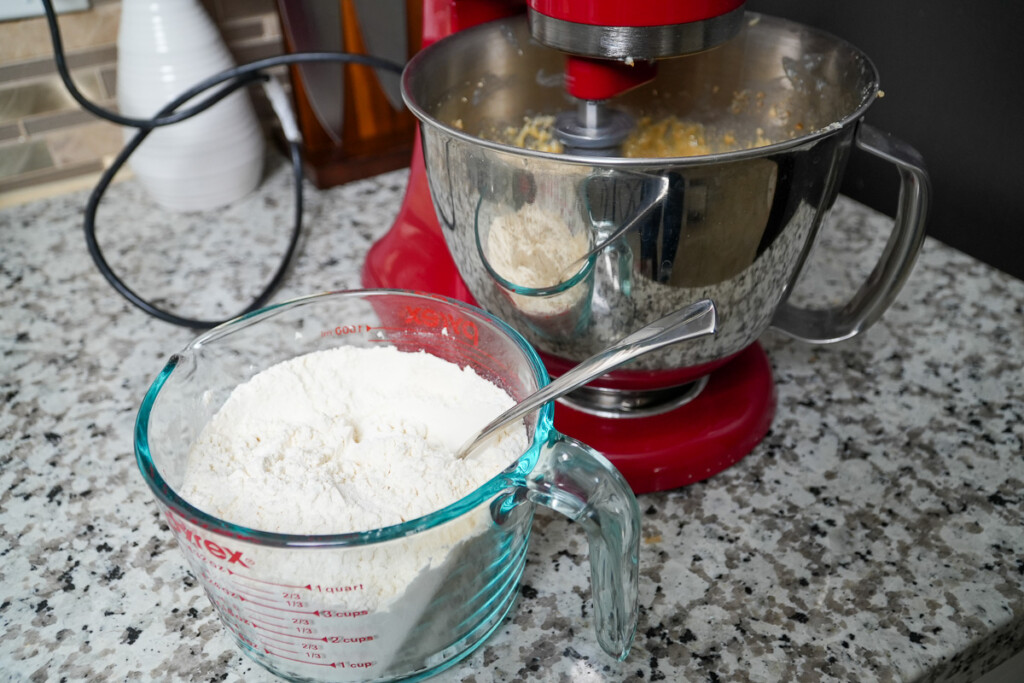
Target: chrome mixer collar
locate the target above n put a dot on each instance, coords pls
(612, 29)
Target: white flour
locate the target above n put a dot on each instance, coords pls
(532, 248)
(352, 439)
(347, 439)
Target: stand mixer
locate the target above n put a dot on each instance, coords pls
(735, 226)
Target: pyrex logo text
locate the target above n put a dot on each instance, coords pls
(205, 545)
(428, 317)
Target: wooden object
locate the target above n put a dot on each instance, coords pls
(374, 137)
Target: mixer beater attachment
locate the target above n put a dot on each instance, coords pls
(612, 46)
(594, 129)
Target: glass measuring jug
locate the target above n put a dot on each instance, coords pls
(405, 601)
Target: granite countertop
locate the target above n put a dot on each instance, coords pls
(875, 534)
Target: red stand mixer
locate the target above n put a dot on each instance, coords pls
(750, 214)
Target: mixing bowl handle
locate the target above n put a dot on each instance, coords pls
(895, 263)
(580, 483)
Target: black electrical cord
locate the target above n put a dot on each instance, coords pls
(107, 177)
(235, 78)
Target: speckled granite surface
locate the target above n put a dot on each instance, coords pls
(876, 534)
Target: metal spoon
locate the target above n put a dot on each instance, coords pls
(691, 322)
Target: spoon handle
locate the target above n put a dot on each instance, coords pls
(693, 321)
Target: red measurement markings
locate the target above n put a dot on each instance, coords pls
(262, 633)
(334, 640)
(292, 635)
(230, 612)
(355, 665)
(311, 658)
(289, 609)
(342, 330)
(248, 641)
(206, 561)
(262, 595)
(194, 541)
(267, 583)
(309, 655)
(355, 640)
(423, 316)
(289, 641)
(250, 589)
(336, 614)
(337, 589)
(282, 621)
(233, 591)
(290, 606)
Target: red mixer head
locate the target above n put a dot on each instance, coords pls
(613, 29)
(611, 47)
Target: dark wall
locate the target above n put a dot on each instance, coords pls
(953, 78)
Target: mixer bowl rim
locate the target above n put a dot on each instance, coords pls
(514, 476)
(753, 18)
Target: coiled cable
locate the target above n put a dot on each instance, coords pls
(230, 80)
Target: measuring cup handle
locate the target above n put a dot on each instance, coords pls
(893, 268)
(581, 484)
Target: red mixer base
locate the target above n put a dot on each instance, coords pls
(691, 443)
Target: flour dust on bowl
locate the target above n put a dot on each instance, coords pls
(319, 563)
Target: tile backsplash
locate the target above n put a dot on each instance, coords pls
(44, 135)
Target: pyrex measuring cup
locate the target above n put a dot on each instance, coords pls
(401, 602)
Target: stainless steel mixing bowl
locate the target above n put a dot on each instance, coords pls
(735, 227)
